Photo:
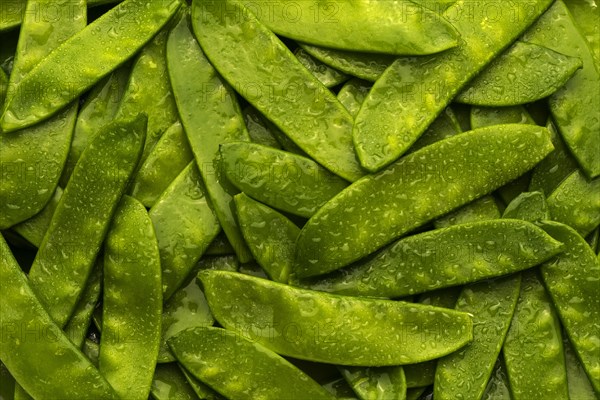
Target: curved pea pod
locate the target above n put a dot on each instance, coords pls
(418, 188)
(376, 383)
(185, 225)
(69, 71)
(283, 180)
(169, 383)
(270, 236)
(571, 279)
(305, 324)
(352, 95)
(528, 206)
(445, 125)
(444, 257)
(202, 390)
(11, 15)
(498, 387)
(576, 202)
(131, 335)
(575, 108)
(34, 229)
(533, 348)
(414, 90)
(215, 120)
(586, 16)
(487, 116)
(580, 386)
(82, 217)
(166, 160)
(325, 74)
(482, 209)
(258, 129)
(281, 89)
(522, 74)
(593, 238)
(45, 364)
(465, 373)
(239, 368)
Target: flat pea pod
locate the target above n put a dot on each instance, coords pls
(571, 280)
(509, 80)
(271, 237)
(239, 368)
(305, 324)
(169, 383)
(328, 138)
(166, 160)
(185, 225)
(533, 349)
(444, 126)
(202, 390)
(418, 188)
(498, 387)
(82, 217)
(465, 373)
(214, 121)
(62, 363)
(11, 14)
(586, 16)
(34, 229)
(414, 90)
(488, 116)
(7, 383)
(123, 30)
(376, 383)
(258, 130)
(481, 209)
(580, 386)
(575, 108)
(528, 206)
(283, 180)
(445, 257)
(576, 202)
(325, 74)
(352, 95)
(131, 335)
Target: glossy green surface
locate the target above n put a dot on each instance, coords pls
(185, 225)
(522, 74)
(239, 368)
(305, 324)
(528, 206)
(414, 90)
(82, 217)
(114, 31)
(489, 116)
(444, 257)
(374, 383)
(11, 15)
(169, 383)
(418, 188)
(481, 209)
(444, 126)
(258, 129)
(498, 387)
(352, 95)
(23, 346)
(579, 383)
(211, 116)
(283, 180)
(202, 390)
(325, 74)
(34, 229)
(586, 15)
(282, 89)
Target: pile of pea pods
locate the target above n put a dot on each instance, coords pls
(299, 199)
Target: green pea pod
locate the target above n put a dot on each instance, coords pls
(465, 373)
(11, 14)
(82, 217)
(203, 391)
(169, 383)
(353, 94)
(586, 16)
(489, 116)
(271, 237)
(283, 180)
(21, 352)
(498, 387)
(34, 229)
(522, 74)
(576, 202)
(414, 90)
(91, 350)
(528, 206)
(533, 350)
(166, 160)
(325, 74)
(444, 126)
(580, 386)
(185, 225)
(69, 71)
(484, 208)
(571, 279)
(305, 324)
(7, 383)
(575, 108)
(258, 129)
(418, 188)
(444, 257)
(282, 89)
(240, 369)
(213, 122)
(376, 383)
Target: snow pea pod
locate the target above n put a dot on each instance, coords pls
(7, 383)
(418, 188)
(376, 383)
(210, 116)
(21, 352)
(169, 383)
(325, 74)
(166, 160)
(202, 390)
(271, 237)
(488, 116)
(533, 349)
(352, 95)
(576, 106)
(122, 30)
(522, 74)
(481, 209)
(82, 217)
(465, 373)
(444, 257)
(11, 13)
(258, 130)
(282, 89)
(576, 202)
(283, 180)
(572, 281)
(239, 368)
(580, 386)
(414, 90)
(444, 126)
(34, 229)
(586, 16)
(498, 386)
(185, 225)
(528, 206)
(305, 324)
(77, 327)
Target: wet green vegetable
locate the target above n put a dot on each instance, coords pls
(353, 94)
(528, 206)
(169, 383)
(34, 229)
(79, 322)
(498, 387)
(489, 116)
(579, 384)
(325, 74)
(481, 209)
(376, 383)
